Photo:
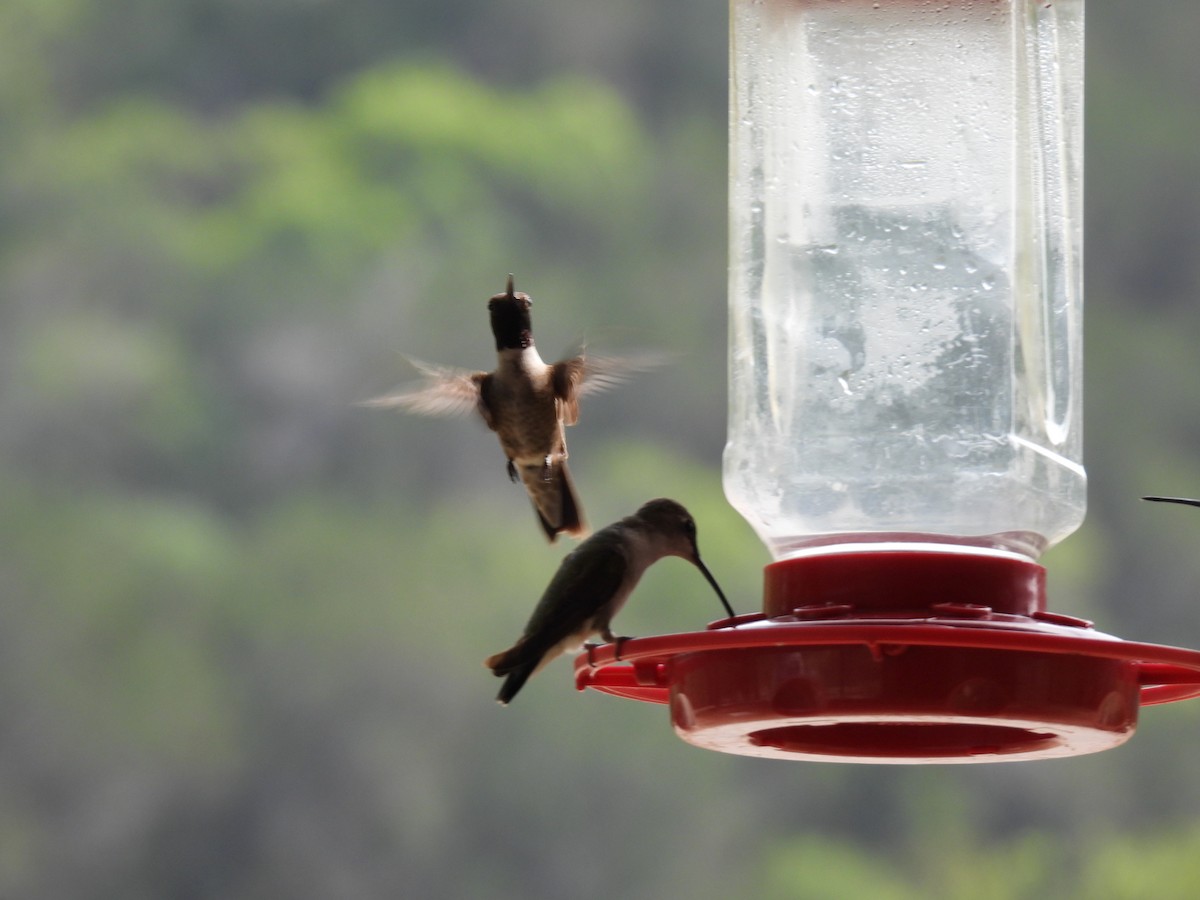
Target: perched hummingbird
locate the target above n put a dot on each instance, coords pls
(527, 402)
(593, 583)
(1174, 500)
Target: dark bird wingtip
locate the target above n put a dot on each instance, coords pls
(1186, 501)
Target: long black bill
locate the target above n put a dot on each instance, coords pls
(716, 587)
(1183, 500)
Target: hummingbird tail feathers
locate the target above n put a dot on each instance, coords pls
(503, 662)
(518, 663)
(555, 501)
(513, 683)
(572, 510)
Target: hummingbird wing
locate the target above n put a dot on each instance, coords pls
(445, 391)
(588, 579)
(584, 374)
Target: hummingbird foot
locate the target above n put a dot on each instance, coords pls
(618, 643)
(608, 638)
(513, 476)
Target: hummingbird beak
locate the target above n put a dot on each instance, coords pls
(1183, 500)
(716, 587)
(509, 287)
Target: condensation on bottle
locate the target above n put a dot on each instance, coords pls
(905, 274)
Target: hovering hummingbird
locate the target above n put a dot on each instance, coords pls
(527, 402)
(593, 583)
(1184, 500)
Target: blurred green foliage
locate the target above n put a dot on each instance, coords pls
(242, 619)
(1159, 864)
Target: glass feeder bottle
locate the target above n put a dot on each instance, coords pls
(905, 274)
(904, 422)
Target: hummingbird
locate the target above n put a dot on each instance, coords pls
(527, 402)
(592, 584)
(1184, 500)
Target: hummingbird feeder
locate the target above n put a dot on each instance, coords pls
(905, 423)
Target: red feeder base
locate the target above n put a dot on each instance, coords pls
(859, 658)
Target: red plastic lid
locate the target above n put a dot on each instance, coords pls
(904, 580)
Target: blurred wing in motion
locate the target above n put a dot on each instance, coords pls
(445, 391)
(603, 372)
(583, 374)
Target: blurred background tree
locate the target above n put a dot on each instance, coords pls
(243, 620)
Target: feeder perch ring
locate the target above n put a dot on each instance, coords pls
(872, 671)
(898, 691)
